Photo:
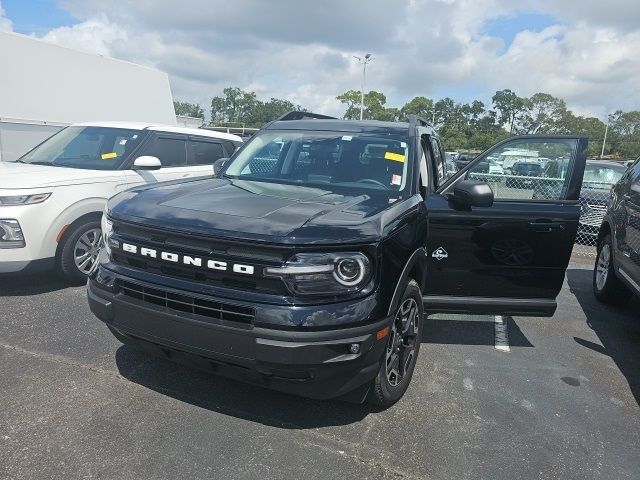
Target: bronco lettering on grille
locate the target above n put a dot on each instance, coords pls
(187, 259)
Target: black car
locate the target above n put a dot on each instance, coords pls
(530, 170)
(616, 275)
(599, 176)
(309, 267)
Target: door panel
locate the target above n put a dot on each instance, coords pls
(510, 257)
(629, 261)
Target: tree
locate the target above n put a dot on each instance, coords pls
(236, 105)
(545, 113)
(510, 108)
(420, 106)
(188, 109)
(374, 106)
(242, 107)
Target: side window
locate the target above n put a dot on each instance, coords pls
(229, 146)
(425, 161)
(205, 153)
(527, 169)
(171, 151)
(438, 161)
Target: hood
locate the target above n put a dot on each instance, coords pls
(255, 211)
(15, 175)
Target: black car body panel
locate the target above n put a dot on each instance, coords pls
(622, 222)
(190, 262)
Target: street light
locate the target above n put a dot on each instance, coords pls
(363, 61)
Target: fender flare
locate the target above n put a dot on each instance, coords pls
(418, 257)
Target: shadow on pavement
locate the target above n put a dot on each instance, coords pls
(18, 284)
(617, 328)
(459, 331)
(233, 398)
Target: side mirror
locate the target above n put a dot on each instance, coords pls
(472, 193)
(218, 164)
(147, 162)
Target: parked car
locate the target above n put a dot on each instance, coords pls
(51, 199)
(312, 274)
(599, 176)
(528, 170)
(616, 275)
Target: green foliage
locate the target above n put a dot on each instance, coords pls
(374, 106)
(473, 126)
(462, 126)
(188, 109)
(240, 107)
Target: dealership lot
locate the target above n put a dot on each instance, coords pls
(562, 403)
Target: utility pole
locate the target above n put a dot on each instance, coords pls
(604, 141)
(363, 61)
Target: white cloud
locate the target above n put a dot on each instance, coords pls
(303, 50)
(5, 23)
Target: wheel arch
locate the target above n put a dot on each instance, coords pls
(605, 229)
(415, 268)
(95, 215)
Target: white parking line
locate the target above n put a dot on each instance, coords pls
(501, 334)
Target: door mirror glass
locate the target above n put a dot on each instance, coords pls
(218, 164)
(147, 162)
(527, 168)
(472, 193)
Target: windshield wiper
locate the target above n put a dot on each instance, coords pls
(50, 164)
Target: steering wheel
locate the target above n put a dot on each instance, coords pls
(375, 182)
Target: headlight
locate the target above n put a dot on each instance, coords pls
(24, 199)
(11, 234)
(324, 273)
(107, 229)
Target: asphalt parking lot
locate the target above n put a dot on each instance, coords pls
(562, 403)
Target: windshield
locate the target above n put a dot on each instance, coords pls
(601, 176)
(356, 160)
(92, 148)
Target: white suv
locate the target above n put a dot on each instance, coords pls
(52, 198)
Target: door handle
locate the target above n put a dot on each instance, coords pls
(545, 226)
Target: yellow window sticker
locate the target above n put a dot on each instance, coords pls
(107, 156)
(396, 157)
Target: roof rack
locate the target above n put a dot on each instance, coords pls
(299, 115)
(416, 120)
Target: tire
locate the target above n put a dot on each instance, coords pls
(389, 387)
(80, 235)
(607, 287)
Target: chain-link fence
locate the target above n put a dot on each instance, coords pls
(593, 200)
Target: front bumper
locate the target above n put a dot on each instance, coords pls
(316, 364)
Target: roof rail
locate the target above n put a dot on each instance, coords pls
(416, 120)
(299, 115)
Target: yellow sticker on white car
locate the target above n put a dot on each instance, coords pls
(107, 156)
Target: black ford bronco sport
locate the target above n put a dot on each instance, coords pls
(307, 264)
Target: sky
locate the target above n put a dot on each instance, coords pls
(584, 51)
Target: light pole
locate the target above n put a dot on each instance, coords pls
(606, 129)
(363, 61)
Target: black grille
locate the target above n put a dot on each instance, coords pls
(230, 251)
(185, 303)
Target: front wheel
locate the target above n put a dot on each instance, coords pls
(79, 250)
(606, 286)
(402, 350)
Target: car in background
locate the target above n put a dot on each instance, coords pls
(599, 176)
(616, 275)
(528, 170)
(51, 199)
(463, 160)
